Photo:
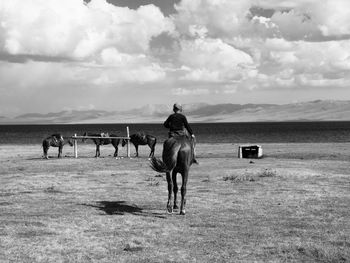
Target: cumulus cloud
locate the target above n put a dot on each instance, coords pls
(294, 20)
(188, 91)
(215, 17)
(74, 29)
(212, 60)
(69, 44)
(318, 20)
(208, 47)
(285, 41)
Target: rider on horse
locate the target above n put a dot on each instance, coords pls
(178, 126)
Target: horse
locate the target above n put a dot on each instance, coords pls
(177, 157)
(55, 140)
(142, 139)
(103, 141)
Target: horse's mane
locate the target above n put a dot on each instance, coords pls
(140, 134)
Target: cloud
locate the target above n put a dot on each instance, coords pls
(67, 46)
(293, 20)
(209, 47)
(71, 28)
(187, 91)
(120, 67)
(318, 80)
(212, 60)
(300, 64)
(215, 17)
(316, 20)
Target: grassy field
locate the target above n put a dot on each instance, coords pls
(291, 206)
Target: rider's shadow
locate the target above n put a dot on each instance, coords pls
(121, 208)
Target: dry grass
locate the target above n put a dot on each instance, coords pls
(250, 176)
(291, 206)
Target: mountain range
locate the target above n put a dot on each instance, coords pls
(319, 110)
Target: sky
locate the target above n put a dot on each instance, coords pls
(122, 54)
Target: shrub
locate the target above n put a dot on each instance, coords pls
(268, 172)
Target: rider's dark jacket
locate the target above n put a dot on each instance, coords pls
(176, 123)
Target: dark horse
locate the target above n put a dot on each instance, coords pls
(177, 157)
(103, 141)
(55, 140)
(142, 139)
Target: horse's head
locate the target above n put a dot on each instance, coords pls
(84, 139)
(70, 142)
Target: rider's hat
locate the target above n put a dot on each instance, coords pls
(177, 106)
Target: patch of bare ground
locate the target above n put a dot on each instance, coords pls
(290, 206)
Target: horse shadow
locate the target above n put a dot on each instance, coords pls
(122, 208)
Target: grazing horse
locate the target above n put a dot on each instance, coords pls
(55, 140)
(177, 157)
(142, 139)
(103, 141)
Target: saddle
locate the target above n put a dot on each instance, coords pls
(56, 138)
(142, 136)
(184, 133)
(179, 133)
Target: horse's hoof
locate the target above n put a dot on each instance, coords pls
(169, 210)
(176, 207)
(182, 212)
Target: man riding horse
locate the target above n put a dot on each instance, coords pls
(177, 157)
(178, 126)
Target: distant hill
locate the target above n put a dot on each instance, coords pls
(198, 112)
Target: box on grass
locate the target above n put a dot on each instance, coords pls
(250, 151)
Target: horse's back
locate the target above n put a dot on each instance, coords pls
(151, 137)
(138, 138)
(151, 140)
(184, 141)
(178, 148)
(184, 153)
(115, 141)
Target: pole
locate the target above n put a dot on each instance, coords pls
(128, 141)
(75, 147)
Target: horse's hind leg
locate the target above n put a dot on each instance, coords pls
(97, 151)
(59, 152)
(116, 151)
(45, 150)
(137, 150)
(183, 191)
(152, 145)
(115, 143)
(170, 190)
(175, 189)
(152, 151)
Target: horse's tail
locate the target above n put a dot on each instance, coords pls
(170, 151)
(45, 143)
(69, 141)
(158, 165)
